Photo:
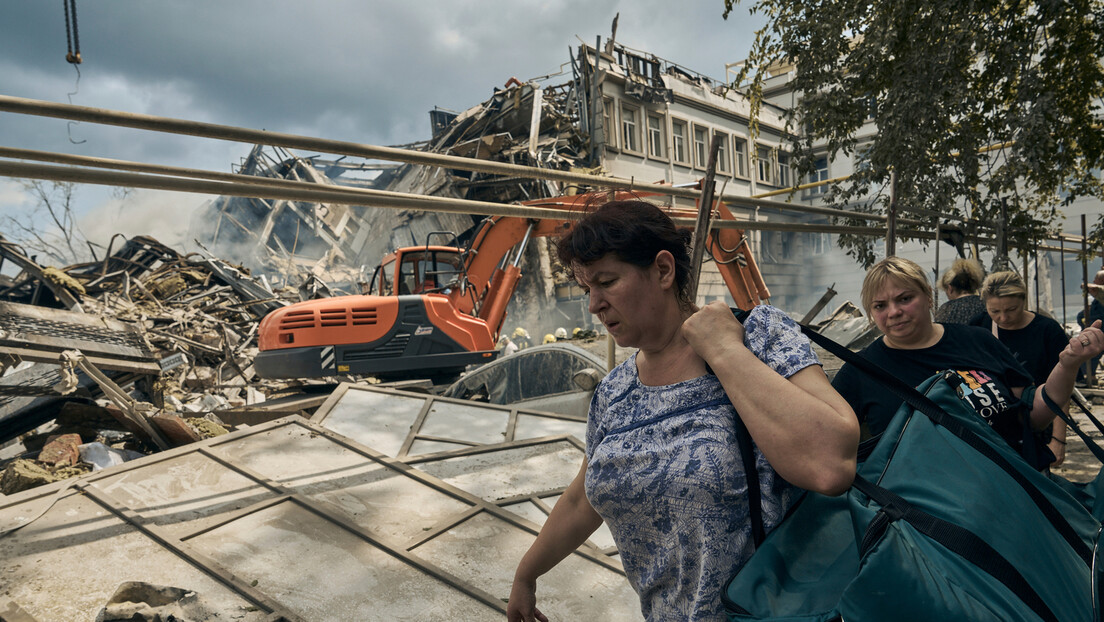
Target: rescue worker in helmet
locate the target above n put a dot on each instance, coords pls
(507, 346)
(549, 338)
(521, 338)
(561, 334)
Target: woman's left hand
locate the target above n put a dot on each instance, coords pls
(712, 326)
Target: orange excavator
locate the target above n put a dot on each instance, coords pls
(432, 310)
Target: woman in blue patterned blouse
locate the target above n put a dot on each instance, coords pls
(662, 467)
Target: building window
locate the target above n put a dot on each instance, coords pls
(722, 153)
(607, 123)
(739, 149)
(630, 128)
(657, 138)
(678, 141)
(819, 174)
(789, 244)
(785, 179)
(818, 243)
(764, 164)
(701, 146)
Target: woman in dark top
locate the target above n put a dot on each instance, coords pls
(961, 283)
(898, 298)
(1036, 340)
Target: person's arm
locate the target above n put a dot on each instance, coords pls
(1096, 290)
(570, 523)
(804, 428)
(1059, 385)
(1057, 442)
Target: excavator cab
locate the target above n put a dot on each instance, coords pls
(418, 270)
(406, 324)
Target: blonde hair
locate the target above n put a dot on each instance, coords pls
(907, 272)
(964, 275)
(1001, 284)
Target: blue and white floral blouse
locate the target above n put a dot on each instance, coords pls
(665, 474)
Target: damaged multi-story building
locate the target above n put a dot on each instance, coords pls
(619, 112)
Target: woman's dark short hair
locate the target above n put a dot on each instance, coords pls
(964, 275)
(634, 232)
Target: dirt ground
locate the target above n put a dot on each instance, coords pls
(1080, 464)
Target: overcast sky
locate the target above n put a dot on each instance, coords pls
(364, 71)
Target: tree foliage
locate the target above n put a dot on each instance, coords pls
(973, 101)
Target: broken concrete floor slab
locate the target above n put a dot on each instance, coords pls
(380, 417)
(323, 572)
(65, 566)
(299, 522)
(507, 470)
(402, 424)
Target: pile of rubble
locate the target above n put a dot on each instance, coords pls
(144, 350)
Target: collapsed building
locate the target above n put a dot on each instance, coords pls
(619, 112)
(301, 500)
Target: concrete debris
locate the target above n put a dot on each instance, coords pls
(206, 428)
(21, 474)
(163, 337)
(136, 601)
(61, 450)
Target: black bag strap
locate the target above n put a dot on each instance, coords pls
(922, 403)
(1057, 410)
(960, 541)
(751, 470)
(1079, 399)
(751, 474)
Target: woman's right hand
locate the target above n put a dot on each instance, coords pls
(1086, 345)
(522, 606)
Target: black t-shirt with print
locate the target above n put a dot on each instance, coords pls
(989, 371)
(1036, 345)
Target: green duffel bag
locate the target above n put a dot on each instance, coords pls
(945, 521)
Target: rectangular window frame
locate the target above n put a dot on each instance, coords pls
(680, 143)
(609, 123)
(724, 155)
(657, 136)
(819, 173)
(630, 128)
(784, 169)
(740, 157)
(764, 164)
(700, 148)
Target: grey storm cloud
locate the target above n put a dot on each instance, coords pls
(365, 71)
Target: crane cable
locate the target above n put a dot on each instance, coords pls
(72, 37)
(73, 55)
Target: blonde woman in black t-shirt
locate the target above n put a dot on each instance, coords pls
(1035, 339)
(898, 298)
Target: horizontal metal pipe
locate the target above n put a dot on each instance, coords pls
(359, 196)
(231, 133)
(229, 184)
(238, 134)
(42, 108)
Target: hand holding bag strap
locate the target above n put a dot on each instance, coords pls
(933, 411)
